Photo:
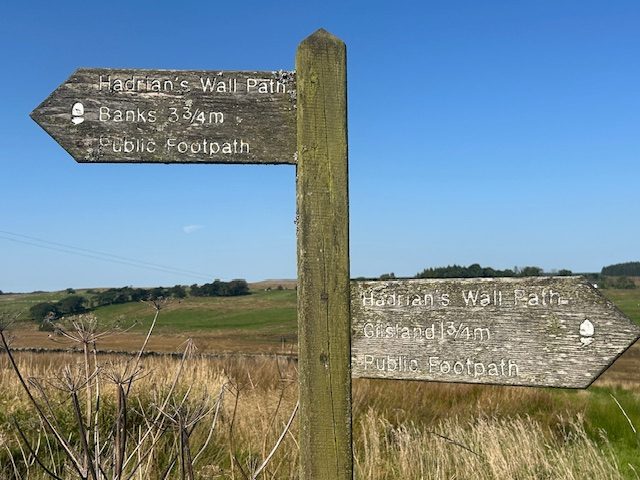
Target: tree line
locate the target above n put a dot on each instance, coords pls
(74, 304)
(630, 269)
(476, 271)
(220, 289)
(614, 276)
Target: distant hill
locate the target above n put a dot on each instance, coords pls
(273, 284)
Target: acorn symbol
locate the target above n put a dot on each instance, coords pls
(586, 332)
(77, 113)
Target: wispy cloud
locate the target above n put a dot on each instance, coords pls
(192, 228)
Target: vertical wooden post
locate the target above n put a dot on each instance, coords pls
(323, 260)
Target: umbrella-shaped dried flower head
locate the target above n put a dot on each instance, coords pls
(123, 372)
(72, 378)
(83, 329)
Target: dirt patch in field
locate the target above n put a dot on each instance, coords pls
(233, 341)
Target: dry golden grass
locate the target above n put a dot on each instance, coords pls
(402, 430)
(260, 395)
(486, 449)
(625, 371)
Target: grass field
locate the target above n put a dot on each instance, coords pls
(263, 322)
(626, 300)
(402, 429)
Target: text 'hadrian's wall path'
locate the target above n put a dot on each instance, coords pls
(555, 331)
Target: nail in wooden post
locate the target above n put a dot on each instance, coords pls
(323, 260)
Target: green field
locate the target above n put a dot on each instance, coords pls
(21, 302)
(626, 300)
(264, 321)
(273, 310)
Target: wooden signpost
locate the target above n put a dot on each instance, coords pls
(171, 116)
(323, 260)
(535, 331)
(280, 117)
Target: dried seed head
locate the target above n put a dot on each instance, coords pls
(7, 319)
(123, 373)
(72, 378)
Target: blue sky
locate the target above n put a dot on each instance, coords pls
(504, 133)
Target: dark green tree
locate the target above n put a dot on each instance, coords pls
(238, 287)
(138, 294)
(530, 271)
(177, 291)
(157, 292)
(71, 305)
(40, 311)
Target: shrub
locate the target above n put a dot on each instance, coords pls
(45, 310)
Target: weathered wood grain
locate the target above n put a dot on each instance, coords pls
(538, 331)
(323, 261)
(172, 116)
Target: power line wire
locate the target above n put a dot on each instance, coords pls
(97, 255)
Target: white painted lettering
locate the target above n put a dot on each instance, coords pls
(470, 297)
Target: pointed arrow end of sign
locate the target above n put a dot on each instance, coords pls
(48, 122)
(36, 116)
(40, 115)
(41, 111)
(62, 109)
